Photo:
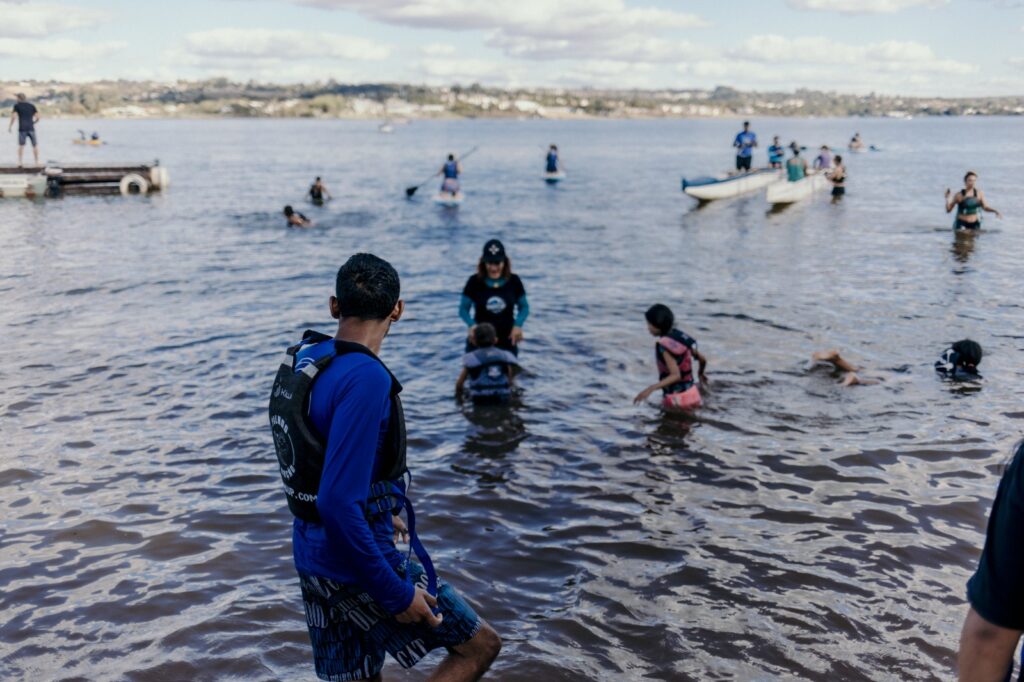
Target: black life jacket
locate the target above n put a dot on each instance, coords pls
(300, 448)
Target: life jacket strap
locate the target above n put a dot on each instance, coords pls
(387, 498)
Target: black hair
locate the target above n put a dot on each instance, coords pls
(288, 210)
(969, 174)
(746, 124)
(484, 335)
(554, 146)
(451, 157)
(318, 178)
(661, 318)
(969, 352)
(839, 159)
(367, 287)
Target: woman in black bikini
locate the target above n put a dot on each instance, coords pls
(969, 203)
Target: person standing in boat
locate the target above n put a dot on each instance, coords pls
(796, 167)
(26, 114)
(451, 170)
(744, 143)
(969, 203)
(838, 178)
(497, 296)
(776, 153)
(551, 162)
(317, 191)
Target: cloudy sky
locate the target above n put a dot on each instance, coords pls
(942, 47)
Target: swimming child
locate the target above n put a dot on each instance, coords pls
(490, 370)
(674, 352)
(960, 361)
(296, 219)
(839, 362)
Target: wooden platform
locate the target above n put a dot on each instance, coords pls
(78, 179)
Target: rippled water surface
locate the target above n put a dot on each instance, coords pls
(793, 529)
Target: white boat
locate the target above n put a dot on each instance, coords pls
(386, 128)
(23, 185)
(725, 186)
(557, 176)
(786, 192)
(449, 200)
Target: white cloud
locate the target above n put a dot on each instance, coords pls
(62, 49)
(37, 20)
(271, 44)
(540, 29)
(864, 6)
(886, 56)
(445, 71)
(437, 50)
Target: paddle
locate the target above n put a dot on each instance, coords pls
(409, 191)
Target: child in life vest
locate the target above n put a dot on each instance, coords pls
(489, 369)
(674, 352)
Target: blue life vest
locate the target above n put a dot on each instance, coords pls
(451, 169)
(488, 374)
(552, 162)
(948, 365)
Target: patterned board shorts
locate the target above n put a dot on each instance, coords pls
(351, 633)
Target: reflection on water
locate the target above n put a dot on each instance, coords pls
(790, 529)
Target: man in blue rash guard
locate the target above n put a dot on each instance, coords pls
(495, 295)
(363, 598)
(745, 142)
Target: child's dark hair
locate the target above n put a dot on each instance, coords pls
(367, 287)
(484, 335)
(661, 318)
(969, 352)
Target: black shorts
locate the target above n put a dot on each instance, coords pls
(838, 191)
(743, 162)
(962, 224)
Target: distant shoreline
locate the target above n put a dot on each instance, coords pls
(220, 98)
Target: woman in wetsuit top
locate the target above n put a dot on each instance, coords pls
(497, 296)
(838, 178)
(969, 203)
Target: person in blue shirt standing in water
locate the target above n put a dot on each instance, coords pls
(339, 432)
(552, 160)
(745, 142)
(495, 295)
(451, 170)
(776, 153)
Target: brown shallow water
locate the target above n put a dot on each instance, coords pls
(794, 529)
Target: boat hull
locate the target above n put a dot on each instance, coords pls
(786, 192)
(726, 186)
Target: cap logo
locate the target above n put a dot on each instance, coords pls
(493, 249)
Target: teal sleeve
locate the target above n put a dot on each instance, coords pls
(465, 304)
(523, 307)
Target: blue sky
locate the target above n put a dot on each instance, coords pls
(916, 47)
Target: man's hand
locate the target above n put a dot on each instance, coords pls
(419, 610)
(401, 530)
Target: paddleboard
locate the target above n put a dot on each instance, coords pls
(449, 200)
(92, 143)
(554, 177)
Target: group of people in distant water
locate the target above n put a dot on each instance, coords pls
(796, 166)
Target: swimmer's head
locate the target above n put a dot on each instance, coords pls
(970, 178)
(451, 157)
(660, 319)
(289, 211)
(484, 335)
(969, 353)
(839, 159)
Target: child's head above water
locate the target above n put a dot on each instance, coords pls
(968, 352)
(660, 319)
(484, 335)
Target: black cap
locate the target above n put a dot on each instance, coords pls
(494, 252)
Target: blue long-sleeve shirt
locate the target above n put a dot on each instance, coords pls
(350, 404)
